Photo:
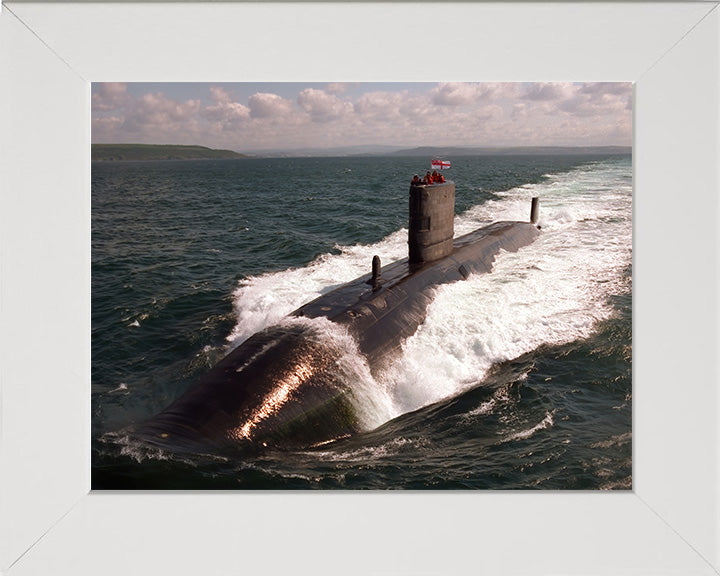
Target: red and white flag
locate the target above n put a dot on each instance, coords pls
(440, 164)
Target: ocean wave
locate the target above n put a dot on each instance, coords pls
(547, 422)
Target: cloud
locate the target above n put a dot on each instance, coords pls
(154, 118)
(460, 93)
(220, 95)
(598, 99)
(157, 109)
(478, 114)
(381, 105)
(607, 88)
(224, 111)
(109, 96)
(519, 111)
(323, 107)
(338, 87)
(575, 113)
(264, 105)
(105, 127)
(548, 91)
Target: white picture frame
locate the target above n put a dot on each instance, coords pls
(50, 522)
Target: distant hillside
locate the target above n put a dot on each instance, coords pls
(516, 150)
(119, 152)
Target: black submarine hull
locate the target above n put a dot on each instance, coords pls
(284, 388)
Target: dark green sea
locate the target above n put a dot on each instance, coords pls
(517, 379)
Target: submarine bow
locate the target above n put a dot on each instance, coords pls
(281, 387)
(284, 388)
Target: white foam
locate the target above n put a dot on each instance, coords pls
(618, 440)
(373, 453)
(261, 301)
(371, 400)
(545, 423)
(122, 389)
(500, 397)
(140, 451)
(553, 291)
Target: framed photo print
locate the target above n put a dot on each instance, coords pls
(378, 289)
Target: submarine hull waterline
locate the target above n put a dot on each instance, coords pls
(284, 388)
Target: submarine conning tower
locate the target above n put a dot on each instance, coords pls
(431, 227)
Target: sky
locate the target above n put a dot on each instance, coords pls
(256, 117)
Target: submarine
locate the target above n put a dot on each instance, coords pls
(283, 387)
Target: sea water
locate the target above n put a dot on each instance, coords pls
(518, 379)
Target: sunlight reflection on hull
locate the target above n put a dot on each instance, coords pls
(273, 401)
